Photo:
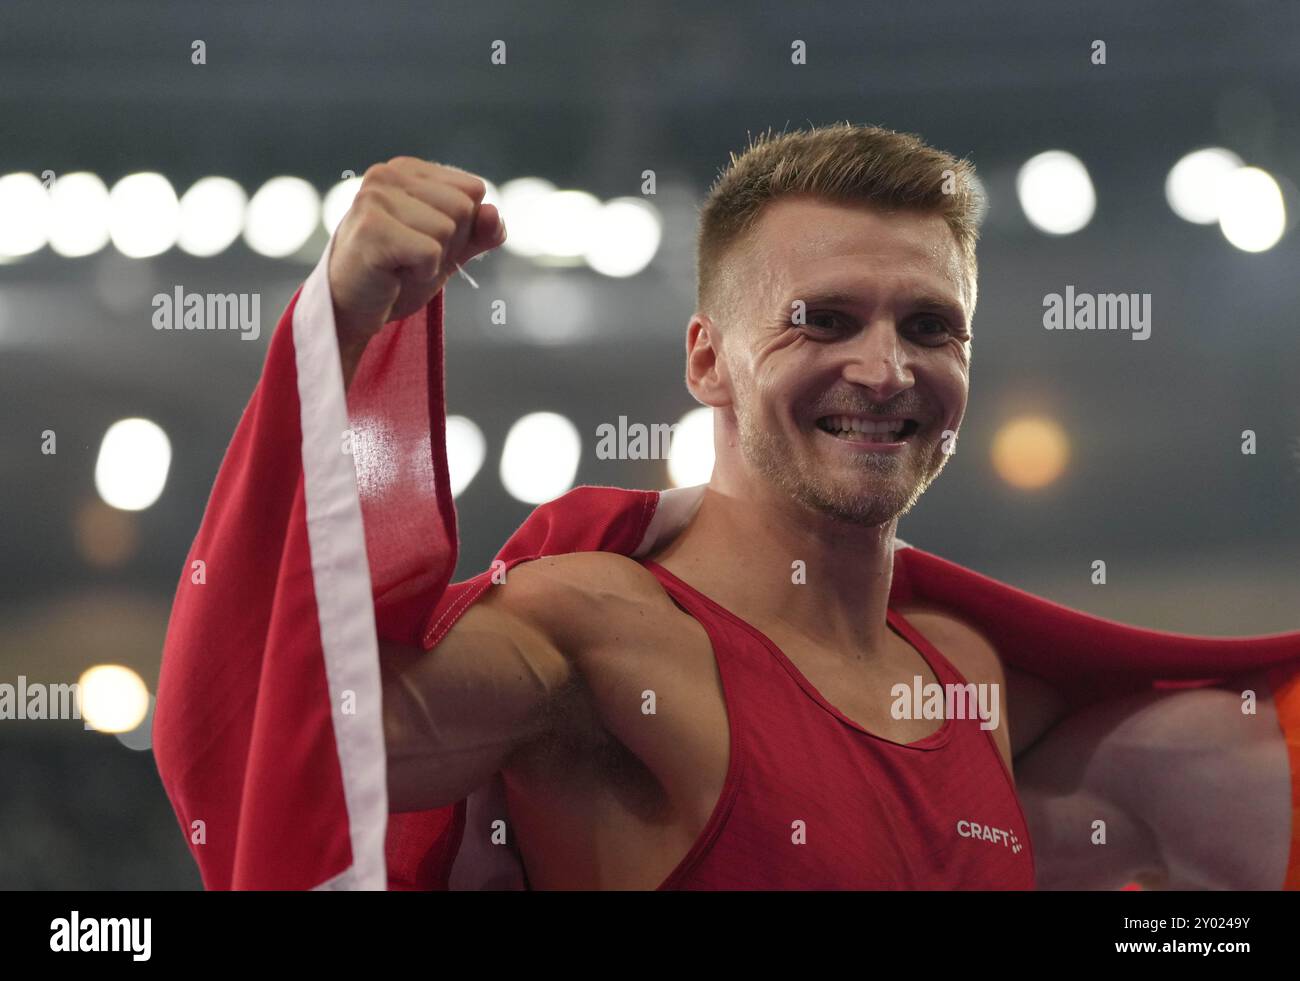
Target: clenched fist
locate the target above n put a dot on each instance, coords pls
(411, 223)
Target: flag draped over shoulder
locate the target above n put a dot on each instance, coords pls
(331, 526)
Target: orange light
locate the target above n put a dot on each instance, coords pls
(1030, 452)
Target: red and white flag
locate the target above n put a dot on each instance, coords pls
(330, 525)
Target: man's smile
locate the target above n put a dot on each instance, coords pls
(876, 432)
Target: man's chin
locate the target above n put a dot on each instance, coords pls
(867, 497)
(879, 502)
(863, 489)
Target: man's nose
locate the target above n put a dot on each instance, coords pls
(878, 359)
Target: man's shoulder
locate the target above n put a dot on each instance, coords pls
(580, 592)
(592, 573)
(966, 647)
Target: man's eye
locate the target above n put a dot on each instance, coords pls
(823, 321)
(930, 327)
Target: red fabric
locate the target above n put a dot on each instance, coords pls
(237, 658)
(1085, 657)
(243, 734)
(937, 813)
(397, 407)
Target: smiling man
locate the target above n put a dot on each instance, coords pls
(695, 689)
(854, 325)
(832, 340)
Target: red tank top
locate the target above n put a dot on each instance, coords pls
(814, 801)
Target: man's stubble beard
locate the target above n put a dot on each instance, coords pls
(890, 485)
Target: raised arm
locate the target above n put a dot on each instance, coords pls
(410, 225)
(330, 529)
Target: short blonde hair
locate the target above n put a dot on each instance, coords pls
(840, 162)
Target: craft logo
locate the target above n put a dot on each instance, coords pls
(1098, 311)
(103, 933)
(985, 832)
(179, 310)
(634, 442)
(951, 701)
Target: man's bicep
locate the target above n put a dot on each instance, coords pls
(453, 715)
(1195, 789)
(1212, 780)
(1076, 802)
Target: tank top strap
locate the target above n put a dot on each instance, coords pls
(942, 667)
(694, 602)
(728, 634)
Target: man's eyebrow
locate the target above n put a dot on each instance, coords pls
(923, 299)
(841, 297)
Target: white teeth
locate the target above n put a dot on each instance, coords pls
(847, 424)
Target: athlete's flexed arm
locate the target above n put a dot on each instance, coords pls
(454, 716)
(1176, 789)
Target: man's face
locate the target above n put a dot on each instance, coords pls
(885, 337)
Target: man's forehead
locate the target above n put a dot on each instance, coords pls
(798, 240)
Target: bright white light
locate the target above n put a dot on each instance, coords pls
(566, 221)
(1056, 192)
(144, 217)
(540, 457)
(466, 448)
(624, 237)
(337, 201)
(25, 212)
(281, 216)
(690, 460)
(212, 215)
(113, 698)
(1252, 215)
(132, 466)
(518, 199)
(1192, 185)
(79, 221)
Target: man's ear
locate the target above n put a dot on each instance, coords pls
(706, 369)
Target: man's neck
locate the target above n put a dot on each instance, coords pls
(772, 560)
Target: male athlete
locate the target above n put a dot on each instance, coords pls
(717, 708)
